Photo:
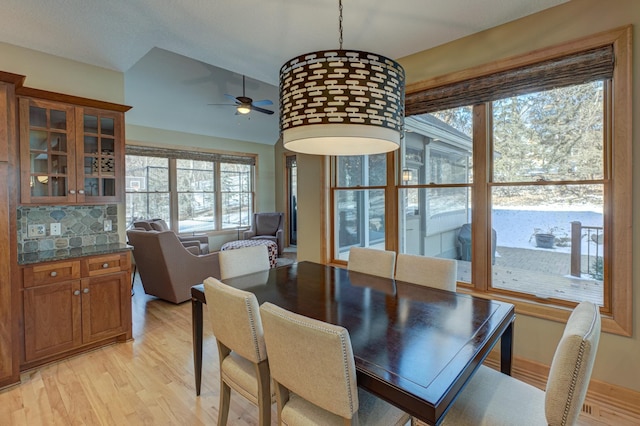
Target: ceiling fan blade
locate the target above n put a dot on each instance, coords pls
(263, 102)
(232, 98)
(265, 111)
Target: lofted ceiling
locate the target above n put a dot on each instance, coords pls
(180, 56)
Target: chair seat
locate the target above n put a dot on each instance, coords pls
(493, 399)
(371, 411)
(240, 373)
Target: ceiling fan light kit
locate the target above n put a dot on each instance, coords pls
(243, 109)
(341, 102)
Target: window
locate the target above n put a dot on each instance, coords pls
(532, 145)
(193, 191)
(359, 203)
(147, 188)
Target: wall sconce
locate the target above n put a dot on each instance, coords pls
(407, 175)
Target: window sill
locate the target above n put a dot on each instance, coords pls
(548, 312)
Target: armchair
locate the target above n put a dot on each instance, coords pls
(267, 226)
(167, 268)
(197, 240)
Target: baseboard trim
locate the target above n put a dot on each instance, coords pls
(606, 403)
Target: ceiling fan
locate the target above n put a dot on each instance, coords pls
(244, 104)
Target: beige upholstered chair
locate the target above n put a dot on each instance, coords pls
(200, 241)
(167, 268)
(314, 374)
(428, 271)
(235, 319)
(373, 262)
(267, 226)
(493, 398)
(243, 261)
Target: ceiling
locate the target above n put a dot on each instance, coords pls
(180, 56)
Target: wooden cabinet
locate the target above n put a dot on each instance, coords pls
(74, 305)
(70, 153)
(9, 288)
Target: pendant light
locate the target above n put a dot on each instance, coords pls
(341, 102)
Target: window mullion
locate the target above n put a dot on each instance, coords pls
(481, 193)
(173, 195)
(217, 187)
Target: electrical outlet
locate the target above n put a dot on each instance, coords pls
(36, 231)
(54, 229)
(107, 225)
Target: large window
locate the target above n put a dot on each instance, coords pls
(194, 192)
(522, 172)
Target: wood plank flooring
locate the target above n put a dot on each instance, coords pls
(148, 381)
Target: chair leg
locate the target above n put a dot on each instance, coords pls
(264, 393)
(225, 399)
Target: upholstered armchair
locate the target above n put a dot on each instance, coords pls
(167, 268)
(267, 226)
(200, 241)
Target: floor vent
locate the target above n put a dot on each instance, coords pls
(586, 408)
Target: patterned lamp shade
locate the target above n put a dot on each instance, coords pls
(341, 102)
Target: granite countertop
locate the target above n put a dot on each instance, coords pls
(70, 253)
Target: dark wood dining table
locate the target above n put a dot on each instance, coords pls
(414, 346)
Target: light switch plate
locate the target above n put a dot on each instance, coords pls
(107, 225)
(54, 229)
(36, 231)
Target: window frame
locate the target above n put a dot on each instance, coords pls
(619, 220)
(217, 158)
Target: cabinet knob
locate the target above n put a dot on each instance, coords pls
(53, 274)
(72, 191)
(81, 191)
(85, 290)
(105, 265)
(76, 293)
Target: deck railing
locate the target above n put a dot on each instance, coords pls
(594, 236)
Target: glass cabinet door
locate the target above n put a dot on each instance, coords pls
(99, 162)
(49, 165)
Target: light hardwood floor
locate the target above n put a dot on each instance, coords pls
(148, 381)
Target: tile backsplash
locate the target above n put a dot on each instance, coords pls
(80, 226)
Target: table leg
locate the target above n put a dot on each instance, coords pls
(506, 349)
(196, 321)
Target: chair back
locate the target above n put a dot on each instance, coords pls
(243, 261)
(235, 319)
(371, 261)
(433, 272)
(311, 359)
(143, 224)
(159, 225)
(267, 223)
(572, 365)
(167, 269)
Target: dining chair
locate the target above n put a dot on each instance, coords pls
(243, 261)
(493, 398)
(371, 261)
(314, 374)
(436, 272)
(235, 319)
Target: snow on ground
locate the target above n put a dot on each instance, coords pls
(515, 226)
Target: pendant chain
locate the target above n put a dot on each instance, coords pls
(340, 22)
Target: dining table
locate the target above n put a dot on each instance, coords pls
(414, 346)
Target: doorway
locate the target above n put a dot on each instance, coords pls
(292, 197)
